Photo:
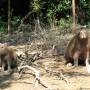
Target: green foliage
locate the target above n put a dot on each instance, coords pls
(63, 8)
(47, 11)
(15, 22)
(85, 5)
(58, 6)
(65, 22)
(2, 25)
(64, 5)
(36, 6)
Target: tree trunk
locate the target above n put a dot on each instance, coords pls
(9, 17)
(73, 13)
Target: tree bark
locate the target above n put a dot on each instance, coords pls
(73, 13)
(9, 17)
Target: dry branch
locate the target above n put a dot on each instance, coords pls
(37, 77)
(64, 78)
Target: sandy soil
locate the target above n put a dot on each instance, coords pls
(49, 68)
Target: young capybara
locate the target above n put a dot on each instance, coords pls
(8, 58)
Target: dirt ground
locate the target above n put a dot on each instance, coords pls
(76, 78)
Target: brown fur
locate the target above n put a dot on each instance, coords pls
(77, 47)
(7, 54)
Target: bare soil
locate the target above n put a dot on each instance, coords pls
(49, 68)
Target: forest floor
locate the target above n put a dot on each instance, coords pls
(77, 77)
(53, 71)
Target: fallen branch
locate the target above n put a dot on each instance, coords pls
(64, 78)
(37, 77)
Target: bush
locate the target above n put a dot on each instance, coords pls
(65, 22)
(15, 22)
(2, 25)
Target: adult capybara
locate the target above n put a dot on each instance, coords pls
(77, 50)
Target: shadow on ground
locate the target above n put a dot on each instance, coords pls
(4, 81)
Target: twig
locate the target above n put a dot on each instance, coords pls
(64, 78)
